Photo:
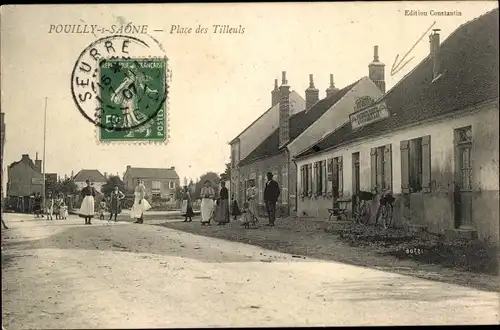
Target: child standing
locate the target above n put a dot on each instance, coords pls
(102, 209)
(235, 209)
(49, 207)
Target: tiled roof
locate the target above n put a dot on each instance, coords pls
(155, 173)
(469, 63)
(298, 124)
(92, 175)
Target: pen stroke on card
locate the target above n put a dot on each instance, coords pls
(398, 66)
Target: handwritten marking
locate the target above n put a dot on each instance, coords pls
(397, 66)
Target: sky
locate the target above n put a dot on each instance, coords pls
(220, 82)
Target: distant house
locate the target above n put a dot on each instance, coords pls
(159, 182)
(93, 175)
(25, 177)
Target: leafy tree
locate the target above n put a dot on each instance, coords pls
(67, 186)
(227, 173)
(109, 186)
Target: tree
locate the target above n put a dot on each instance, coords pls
(213, 177)
(112, 181)
(67, 186)
(227, 173)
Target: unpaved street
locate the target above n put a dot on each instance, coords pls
(63, 274)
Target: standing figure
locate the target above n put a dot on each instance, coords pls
(222, 209)
(252, 194)
(187, 207)
(57, 206)
(49, 207)
(87, 209)
(115, 199)
(140, 203)
(207, 203)
(271, 194)
(235, 209)
(102, 209)
(63, 209)
(38, 205)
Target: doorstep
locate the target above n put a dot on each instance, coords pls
(460, 233)
(414, 228)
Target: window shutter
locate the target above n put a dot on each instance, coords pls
(315, 177)
(426, 164)
(388, 166)
(373, 167)
(405, 166)
(335, 175)
(325, 178)
(302, 181)
(310, 179)
(341, 176)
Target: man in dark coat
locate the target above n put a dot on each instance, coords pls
(271, 194)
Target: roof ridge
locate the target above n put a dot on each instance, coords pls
(429, 55)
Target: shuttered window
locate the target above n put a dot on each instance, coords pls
(338, 177)
(318, 176)
(381, 168)
(325, 178)
(309, 179)
(416, 165)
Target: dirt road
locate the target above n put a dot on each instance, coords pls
(63, 274)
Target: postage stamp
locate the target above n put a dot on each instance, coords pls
(131, 103)
(120, 84)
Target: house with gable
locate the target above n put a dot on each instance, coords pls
(297, 132)
(159, 182)
(433, 139)
(96, 177)
(244, 143)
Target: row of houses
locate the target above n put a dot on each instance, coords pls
(25, 177)
(432, 139)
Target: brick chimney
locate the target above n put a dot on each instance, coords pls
(332, 89)
(284, 115)
(275, 93)
(376, 71)
(38, 163)
(25, 158)
(312, 93)
(434, 48)
(172, 168)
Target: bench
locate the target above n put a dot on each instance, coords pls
(339, 208)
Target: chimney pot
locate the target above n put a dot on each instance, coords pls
(375, 54)
(275, 83)
(283, 78)
(331, 80)
(311, 81)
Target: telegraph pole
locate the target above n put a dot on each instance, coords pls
(44, 142)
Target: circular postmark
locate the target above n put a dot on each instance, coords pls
(119, 83)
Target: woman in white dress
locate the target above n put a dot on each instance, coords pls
(207, 203)
(87, 209)
(140, 203)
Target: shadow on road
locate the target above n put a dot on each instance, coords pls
(139, 239)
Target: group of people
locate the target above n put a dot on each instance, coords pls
(50, 207)
(87, 209)
(217, 209)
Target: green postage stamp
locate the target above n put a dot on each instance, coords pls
(132, 96)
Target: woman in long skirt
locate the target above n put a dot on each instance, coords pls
(87, 209)
(49, 207)
(207, 203)
(252, 194)
(222, 210)
(140, 203)
(187, 208)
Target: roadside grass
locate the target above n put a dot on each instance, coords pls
(473, 256)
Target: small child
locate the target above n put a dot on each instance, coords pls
(49, 207)
(235, 209)
(247, 217)
(102, 209)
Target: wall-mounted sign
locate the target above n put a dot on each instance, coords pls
(369, 115)
(36, 180)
